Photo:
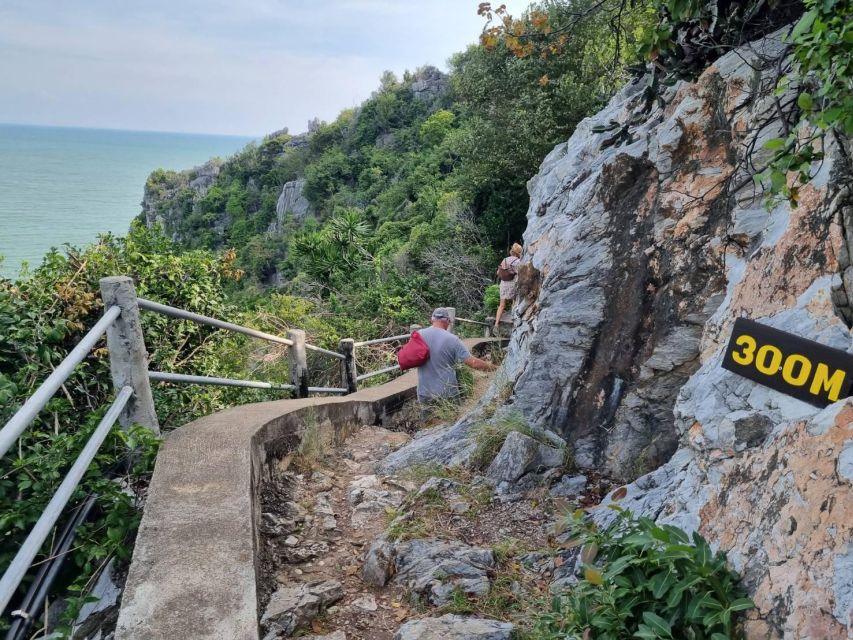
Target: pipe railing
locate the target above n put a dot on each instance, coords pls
(36, 402)
(17, 569)
(134, 403)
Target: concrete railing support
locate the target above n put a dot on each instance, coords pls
(349, 373)
(128, 357)
(298, 362)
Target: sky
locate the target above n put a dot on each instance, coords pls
(215, 66)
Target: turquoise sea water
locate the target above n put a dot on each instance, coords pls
(64, 185)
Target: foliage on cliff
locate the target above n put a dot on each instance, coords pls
(415, 192)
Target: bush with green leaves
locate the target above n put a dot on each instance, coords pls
(644, 580)
(43, 315)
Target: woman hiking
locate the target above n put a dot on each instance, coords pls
(508, 275)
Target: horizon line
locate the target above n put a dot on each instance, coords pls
(117, 129)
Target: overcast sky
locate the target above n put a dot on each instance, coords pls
(214, 66)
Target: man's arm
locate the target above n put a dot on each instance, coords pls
(481, 365)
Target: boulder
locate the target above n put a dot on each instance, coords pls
(453, 627)
(568, 487)
(429, 568)
(294, 606)
(521, 454)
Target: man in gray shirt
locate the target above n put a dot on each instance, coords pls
(437, 377)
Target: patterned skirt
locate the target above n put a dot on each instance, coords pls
(509, 289)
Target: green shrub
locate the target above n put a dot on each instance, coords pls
(644, 580)
(492, 298)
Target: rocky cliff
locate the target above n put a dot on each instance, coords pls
(639, 257)
(647, 237)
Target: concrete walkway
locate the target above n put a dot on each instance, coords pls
(193, 570)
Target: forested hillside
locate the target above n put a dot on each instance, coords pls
(407, 200)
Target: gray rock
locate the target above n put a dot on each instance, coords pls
(429, 568)
(453, 627)
(449, 445)
(429, 83)
(436, 485)
(290, 201)
(292, 607)
(336, 635)
(378, 565)
(367, 602)
(521, 454)
(435, 568)
(569, 486)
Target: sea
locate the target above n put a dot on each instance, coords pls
(62, 185)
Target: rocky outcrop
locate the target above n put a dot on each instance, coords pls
(291, 204)
(429, 84)
(170, 196)
(521, 454)
(639, 257)
(295, 606)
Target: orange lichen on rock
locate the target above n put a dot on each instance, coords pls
(787, 503)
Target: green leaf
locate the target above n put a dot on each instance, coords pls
(804, 24)
(774, 144)
(646, 632)
(694, 609)
(805, 101)
(741, 604)
(658, 624)
(661, 582)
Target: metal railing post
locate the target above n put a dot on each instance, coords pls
(128, 357)
(298, 362)
(452, 312)
(349, 374)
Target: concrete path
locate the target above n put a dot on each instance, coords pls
(193, 573)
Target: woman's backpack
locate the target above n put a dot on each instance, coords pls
(506, 272)
(414, 353)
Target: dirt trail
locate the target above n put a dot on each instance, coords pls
(320, 516)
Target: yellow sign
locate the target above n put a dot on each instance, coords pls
(798, 367)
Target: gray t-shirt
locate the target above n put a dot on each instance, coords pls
(437, 378)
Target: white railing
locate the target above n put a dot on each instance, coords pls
(134, 402)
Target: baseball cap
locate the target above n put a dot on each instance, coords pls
(441, 313)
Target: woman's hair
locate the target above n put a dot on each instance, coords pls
(516, 250)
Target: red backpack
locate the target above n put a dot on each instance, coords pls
(414, 353)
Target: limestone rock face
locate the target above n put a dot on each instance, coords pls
(430, 568)
(429, 83)
(291, 203)
(169, 197)
(294, 606)
(638, 259)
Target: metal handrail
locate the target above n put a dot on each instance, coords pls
(365, 343)
(485, 324)
(334, 354)
(13, 429)
(379, 372)
(24, 558)
(174, 312)
(162, 376)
